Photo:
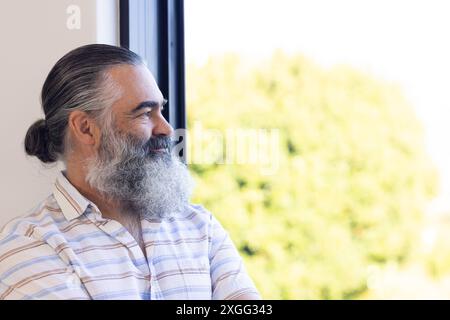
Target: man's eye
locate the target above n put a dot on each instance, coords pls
(147, 114)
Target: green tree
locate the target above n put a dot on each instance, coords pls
(352, 182)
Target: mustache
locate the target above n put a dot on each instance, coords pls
(159, 142)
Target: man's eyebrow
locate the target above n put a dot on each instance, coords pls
(148, 104)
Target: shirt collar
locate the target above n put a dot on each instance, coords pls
(73, 204)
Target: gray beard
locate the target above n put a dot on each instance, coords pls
(150, 185)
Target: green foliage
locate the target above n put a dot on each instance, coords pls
(352, 181)
(437, 258)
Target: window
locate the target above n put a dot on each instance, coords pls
(316, 134)
(155, 30)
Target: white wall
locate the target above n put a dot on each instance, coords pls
(33, 36)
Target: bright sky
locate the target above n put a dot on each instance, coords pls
(400, 40)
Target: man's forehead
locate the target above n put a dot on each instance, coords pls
(136, 85)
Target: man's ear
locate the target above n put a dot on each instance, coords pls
(83, 128)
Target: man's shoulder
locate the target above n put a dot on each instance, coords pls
(194, 220)
(22, 241)
(199, 210)
(195, 213)
(13, 233)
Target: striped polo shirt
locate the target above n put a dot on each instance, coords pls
(65, 249)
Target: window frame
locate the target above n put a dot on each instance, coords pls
(154, 29)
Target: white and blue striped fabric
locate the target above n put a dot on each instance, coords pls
(65, 249)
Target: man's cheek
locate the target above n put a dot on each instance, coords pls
(143, 133)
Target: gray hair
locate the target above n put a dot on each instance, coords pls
(78, 81)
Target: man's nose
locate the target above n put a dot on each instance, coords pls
(162, 127)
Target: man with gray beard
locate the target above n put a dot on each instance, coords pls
(118, 224)
(142, 181)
